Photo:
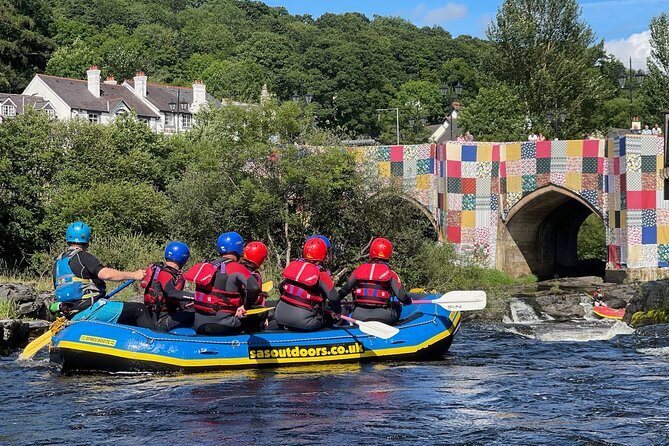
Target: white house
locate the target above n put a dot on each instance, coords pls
(14, 104)
(157, 105)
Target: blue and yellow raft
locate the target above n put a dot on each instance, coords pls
(426, 332)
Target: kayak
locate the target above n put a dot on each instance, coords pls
(608, 312)
(425, 332)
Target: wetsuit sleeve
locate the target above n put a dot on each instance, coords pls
(329, 292)
(85, 265)
(399, 291)
(170, 291)
(251, 287)
(346, 289)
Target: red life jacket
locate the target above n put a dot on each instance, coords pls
(373, 284)
(209, 299)
(300, 287)
(155, 279)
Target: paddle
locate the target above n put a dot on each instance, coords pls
(42, 340)
(458, 301)
(373, 328)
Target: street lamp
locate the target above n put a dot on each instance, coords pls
(308, 97)
(557, 117)
(639, 76)
(179, 107)
(457, 89)
(397, 120)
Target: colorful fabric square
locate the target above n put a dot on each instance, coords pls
(468, 219)
(573, 180)
(483, 186)
(528, 166)
(528, 150)
(453, 151)
(423, 182)
(529, 183)
(514, 168)
(454, 233)
(574, 164)
(396, 168)
(575, 148)
(383, 153)
(397, 153)
(648, 235)
(590, 165)
(454, 202)
(649, 181)
(409, 184)
(468, 153)
(453, 169)
(468, 202)
(512, 152)
(409, 168)
(591, 197)
(648, 163)
(543, 179)
(559, 179)
(663, 236)
(454, 185)
(543, 149)
(484, 152)
(423, 166)
(634, 235)
(591, 148)
(543, 165)
(384, 168)
(633, 162)
(469, 185)
(469, 169)
(484, 169)
(559, 165)
(513, 184)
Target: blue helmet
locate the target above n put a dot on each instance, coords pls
(78, 232)
(177, 252)
(230, 242)
(322, 237)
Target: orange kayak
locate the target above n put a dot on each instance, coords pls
(608, 312)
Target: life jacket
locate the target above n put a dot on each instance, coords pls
(300, 287)
(373, 284)
(262, 297)
(209, 299)
(155, 279)
(69, 287)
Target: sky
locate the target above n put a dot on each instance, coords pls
(622, 24)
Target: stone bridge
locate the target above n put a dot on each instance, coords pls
(518, 207)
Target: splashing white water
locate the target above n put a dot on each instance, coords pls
(522, 313)
(661, 351)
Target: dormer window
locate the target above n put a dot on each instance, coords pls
(8, 110)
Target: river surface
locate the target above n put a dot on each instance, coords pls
(581, 383)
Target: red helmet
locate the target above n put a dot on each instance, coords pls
(255, 252)
(381, 248)
(315, 249)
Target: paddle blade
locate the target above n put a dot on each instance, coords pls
(462, 300)
(373, 328)
(258, 310)
(267, 286)
(35, 346)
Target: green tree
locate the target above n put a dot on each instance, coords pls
(591, 241)
(496, 114)
(72, 61)
(547, 53)
(656, 83)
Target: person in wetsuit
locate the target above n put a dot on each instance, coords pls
(224, 289)
(373, 284)
(79, 277)
(253, 256)
(307, 290)
(166, 301)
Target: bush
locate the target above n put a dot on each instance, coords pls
(7, 309)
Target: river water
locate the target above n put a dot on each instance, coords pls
(581, 383)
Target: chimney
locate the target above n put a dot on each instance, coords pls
(199, 93)
(93, 74)
(110, 80)
(140, 84)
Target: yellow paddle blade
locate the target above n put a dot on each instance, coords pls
(42, 340)
(417, 290)
(258, 310)
(267, 286)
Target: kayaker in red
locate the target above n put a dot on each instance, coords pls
(307, 290)
(373, 284)
(224, 289)
(163, 283)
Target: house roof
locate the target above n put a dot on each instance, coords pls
(161, 95)
(20, 101)
(76, 95)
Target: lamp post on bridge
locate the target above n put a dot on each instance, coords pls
(622, 78)
(455, 105)
(557, 117)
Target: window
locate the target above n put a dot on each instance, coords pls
(169, 120)
(93, 117)
(50, 113)
(8, 110)
(186, 120)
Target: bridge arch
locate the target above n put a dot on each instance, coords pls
(415, 204)
(539, 235)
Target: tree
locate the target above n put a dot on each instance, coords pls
(656, 84)
(496, 114)
(72, 61)
(547, 53)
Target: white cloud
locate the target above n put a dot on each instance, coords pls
(636, 46)
(437, 16)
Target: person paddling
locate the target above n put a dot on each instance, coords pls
(168, 304)
(373, 284)
(253, 256)
(79, 277)
(224, 289)
(306, 291)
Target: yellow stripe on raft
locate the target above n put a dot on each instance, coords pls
(454, 316)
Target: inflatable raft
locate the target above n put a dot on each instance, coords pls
(608, 312)
(425, 332)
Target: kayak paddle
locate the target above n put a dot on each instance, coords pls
(267, 286)
(373, 328)
(458, 301)
(42, 340)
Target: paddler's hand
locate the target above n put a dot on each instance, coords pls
(138, 275)
(241, 312)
